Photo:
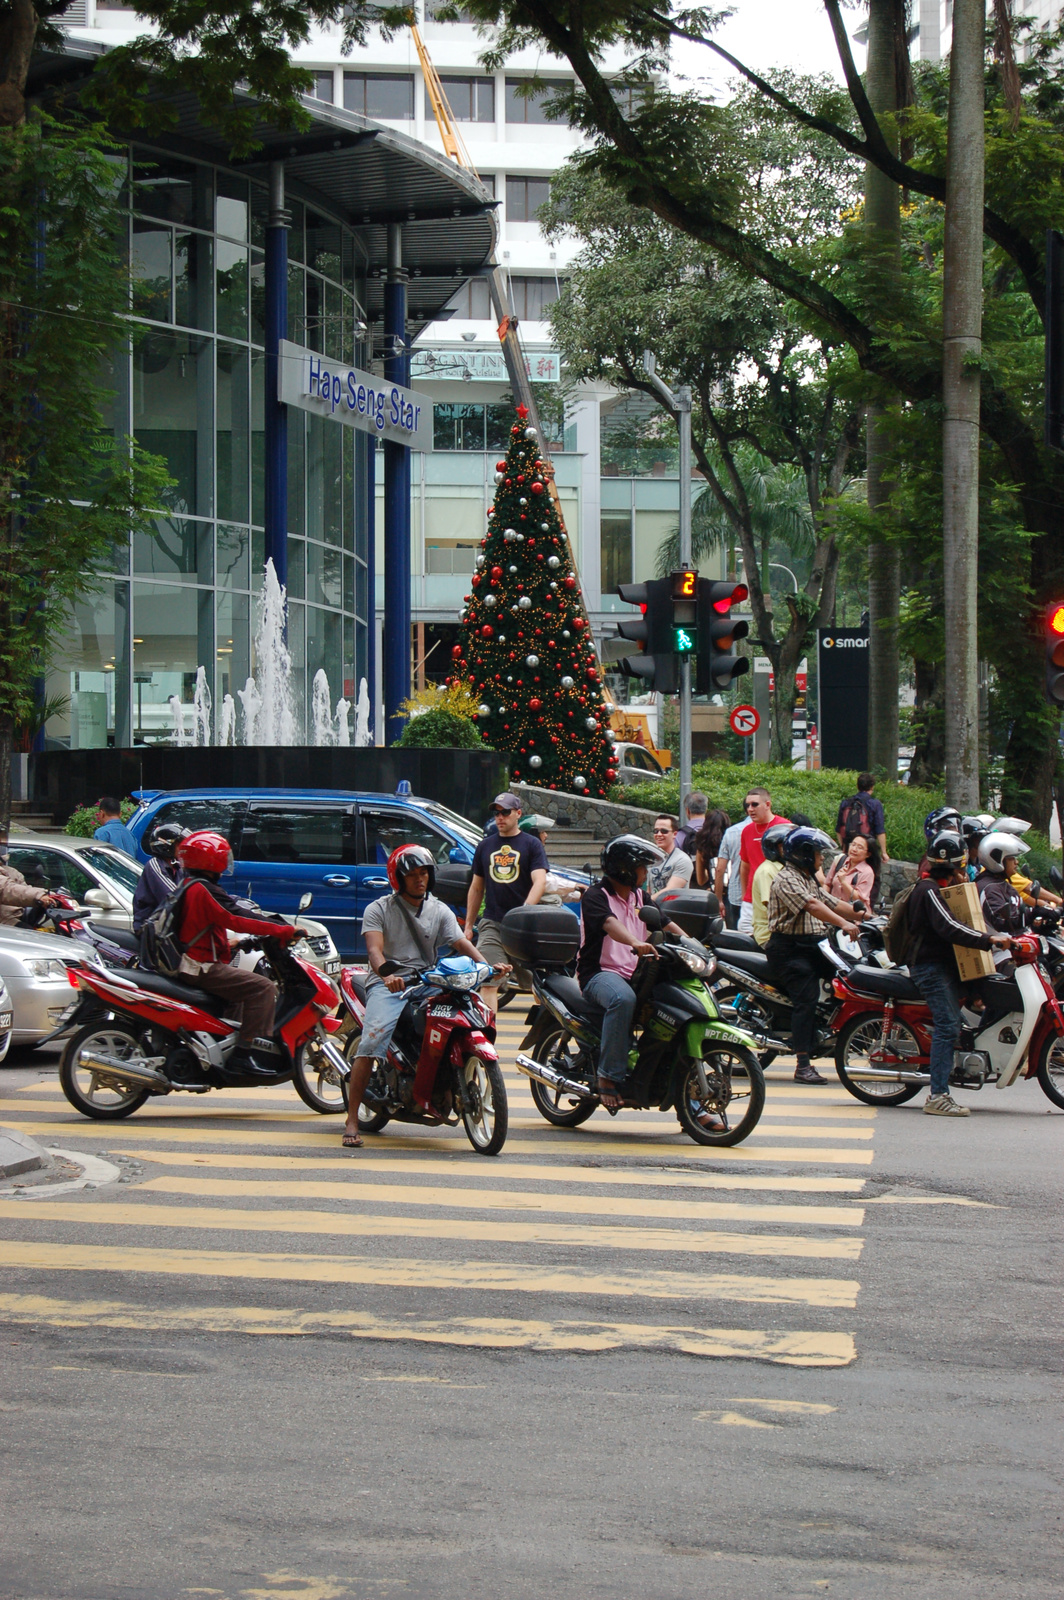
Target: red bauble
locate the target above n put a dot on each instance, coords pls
(570, 583)
(550, 643)
(592, 672)
(515, 429)
(496, 574)
(523, 518)
(456, 651)
(487, 631)
(531, 543)
(520, 477)
(500, 466)
(537, 488)
(535, 704)
(579, 624)
(538, 464)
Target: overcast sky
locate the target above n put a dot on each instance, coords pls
(768, 33)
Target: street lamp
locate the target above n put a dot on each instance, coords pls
(788, 571)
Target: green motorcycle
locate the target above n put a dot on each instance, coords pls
(684, 1055)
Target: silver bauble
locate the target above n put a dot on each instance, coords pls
(531, 661)
(502, 711)
(522, 502)
(580, 782)
(520, 538)
(498, 477)
(502, 638)
(524, 602)
(480, 561)
(553, 562)
(553, 584)
(530, 433)
(535, 761)
(565, 633)
(490, 600)
(545, 528)
(509, 533)
(590, 724)
(567, 682)
(512, 569)
(483, 711)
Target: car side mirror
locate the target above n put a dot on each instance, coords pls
(455, 854)
(651, 918)
(306, 901)
(100, 899)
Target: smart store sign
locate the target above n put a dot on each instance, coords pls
(326, 388)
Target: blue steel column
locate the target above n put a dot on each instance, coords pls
(396, 653)
(371, 580)
(276, 413)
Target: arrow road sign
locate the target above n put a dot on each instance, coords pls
(744, 721)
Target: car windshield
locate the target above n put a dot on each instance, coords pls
(122, 871)
(460, 825)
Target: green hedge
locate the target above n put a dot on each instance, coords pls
(441, 729)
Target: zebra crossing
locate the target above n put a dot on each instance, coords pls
(245, 1215)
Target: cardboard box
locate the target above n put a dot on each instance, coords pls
(962, 900)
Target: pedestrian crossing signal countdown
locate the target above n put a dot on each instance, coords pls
(1054, 642)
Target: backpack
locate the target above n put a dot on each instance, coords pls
(857, 819)
(897, 935)
(161, 950)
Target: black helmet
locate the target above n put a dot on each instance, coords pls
(947, 850)
(947, 819)
(405, 858)
(975, 828)
(772, 841)
(801, 846)
(621, 856)
(163, 841)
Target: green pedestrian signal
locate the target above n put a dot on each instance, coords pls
(684, 641)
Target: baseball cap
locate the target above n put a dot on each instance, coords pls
(507, 802)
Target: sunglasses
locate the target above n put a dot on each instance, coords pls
(499, 811)
(662, 830)
(752, 805)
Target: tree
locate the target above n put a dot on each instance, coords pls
(767, 406)
(69, 490)
(525, 646)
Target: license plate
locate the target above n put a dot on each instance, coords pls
(332, 967)
(5, 1020)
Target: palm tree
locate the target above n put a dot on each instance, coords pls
(778, 501)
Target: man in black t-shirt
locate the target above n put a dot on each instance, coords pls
(509, 869)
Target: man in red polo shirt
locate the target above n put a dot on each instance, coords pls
(758, 807)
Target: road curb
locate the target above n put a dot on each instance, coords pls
(19, 1153)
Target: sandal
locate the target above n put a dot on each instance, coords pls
(352, 1140)
(609, 1095)
(712, 1122)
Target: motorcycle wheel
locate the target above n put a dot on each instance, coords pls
(723, 1061)
(369, 1119)
(487, 1124)
(547, 1100)
(317, 1082)
(862, 1035)
(1050, 1070)
(726, 995)
(85, 1090)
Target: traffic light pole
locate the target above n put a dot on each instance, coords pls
(680, 403)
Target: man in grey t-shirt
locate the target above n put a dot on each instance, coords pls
(406, 928)
(729, 855)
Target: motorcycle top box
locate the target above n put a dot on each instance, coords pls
(452, 883)
(541, 936)
(693, 910)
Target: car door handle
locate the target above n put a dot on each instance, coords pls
(376, 883)
(337, 879)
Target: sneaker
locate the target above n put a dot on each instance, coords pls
(944, 1105)
(807, 1073)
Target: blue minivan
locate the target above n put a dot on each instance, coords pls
(334, 842)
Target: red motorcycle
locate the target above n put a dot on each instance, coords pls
(883, 1027)
(137, 1034)
(442, 1054)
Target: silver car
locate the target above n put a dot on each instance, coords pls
(5, 1020)
(96, 874)
(33, 967)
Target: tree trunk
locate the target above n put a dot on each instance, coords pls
(7, 745)
(883, 221)
(16, 46)
(929, 746)
(962, 323)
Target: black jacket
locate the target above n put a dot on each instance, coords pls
(157, 883)
(934, 930)
(1001, 903)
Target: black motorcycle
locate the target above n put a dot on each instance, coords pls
(686, 1056)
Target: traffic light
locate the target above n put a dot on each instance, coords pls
(657, 665)
(1054, 632)
(717, 632)
(684, 611)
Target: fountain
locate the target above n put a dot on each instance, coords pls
(251, 703)
(227, 730)
(275, 721)
(201, 706)
(362, 733)
(343, 726)
(321, 710)
(177, 711)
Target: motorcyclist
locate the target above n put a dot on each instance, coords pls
(1003, 907)
(404, 929)
(16, 894)
(770, 869)
(1031, 894)
(946, 819)
(932, 965)
(797, 907)
(207, 915)
(161, 875)
(973, 831)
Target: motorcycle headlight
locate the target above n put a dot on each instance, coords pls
(694, 962)
(463, 980)
(45, 969)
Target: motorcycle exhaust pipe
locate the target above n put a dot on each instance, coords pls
(552, 1079)
(132, 1071)
(334, 1057)
(882, 1074)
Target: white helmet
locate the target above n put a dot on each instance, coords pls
(1014, 825)
(996, 846)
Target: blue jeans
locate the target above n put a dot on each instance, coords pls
(617, 998)
(383, 1010)
(941, 988)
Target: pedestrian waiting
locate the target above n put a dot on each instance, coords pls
(862, 814)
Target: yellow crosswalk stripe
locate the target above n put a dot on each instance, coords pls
(365, 1224)
(540, 1172)
(785, 1348)
(469, 1199)
(577, 1141)
(429, 1273)
(764, 1130)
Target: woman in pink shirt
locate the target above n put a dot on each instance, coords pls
(853, 877)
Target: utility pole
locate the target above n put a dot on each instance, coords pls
(679, 402)
(962, 328)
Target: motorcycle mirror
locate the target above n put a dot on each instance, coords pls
(1056, 878)
(651, 918)
(386, 969)
(306, 901)
(1033, 891)
(716, 925)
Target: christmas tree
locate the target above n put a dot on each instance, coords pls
(526, 647)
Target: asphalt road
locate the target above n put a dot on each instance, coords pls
(607, 1364)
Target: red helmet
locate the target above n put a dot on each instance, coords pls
(205, 851)
(404, 858)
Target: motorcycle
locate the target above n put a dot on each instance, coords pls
(137, 1034)
(442, 1052)
(68, 919)
(686, 1057)
(883, 1029)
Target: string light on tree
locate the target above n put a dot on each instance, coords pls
(554, 724)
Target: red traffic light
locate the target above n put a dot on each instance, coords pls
(1055, 617)
(738, 593)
